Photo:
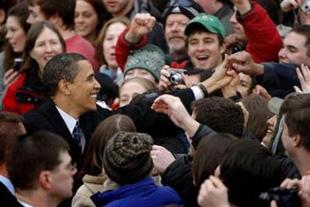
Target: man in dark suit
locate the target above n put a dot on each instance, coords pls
(11, 126)
(69, 82)
(71, 111)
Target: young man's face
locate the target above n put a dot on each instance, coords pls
(115, 6)
(62, 177)
(294, 50)
(174, 31)
(204, 50)
(35, 15)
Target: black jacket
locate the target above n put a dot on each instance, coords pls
(6, 197)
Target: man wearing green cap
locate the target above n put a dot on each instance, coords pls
(205, 41)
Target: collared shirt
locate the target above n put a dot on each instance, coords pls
(70, 123)
(7, 183)
(24, 204)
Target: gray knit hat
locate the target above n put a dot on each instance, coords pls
(127, 158)
(150, 58)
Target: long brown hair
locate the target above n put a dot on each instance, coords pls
(102, 34)
(20, 11)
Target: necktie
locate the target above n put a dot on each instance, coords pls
(77, 136)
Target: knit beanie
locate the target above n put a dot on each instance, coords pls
(190, 10)
(150, 58)
(127, 158)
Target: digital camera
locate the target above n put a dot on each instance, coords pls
(283, 197)
(305, 7)
(176, 77)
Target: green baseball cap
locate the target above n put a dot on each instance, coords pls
(209, 22)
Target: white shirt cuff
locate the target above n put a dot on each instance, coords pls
(198, 93)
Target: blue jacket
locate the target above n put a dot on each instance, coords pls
(142, 193)
(279, 78)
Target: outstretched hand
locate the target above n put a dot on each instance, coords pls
(243, 62)
(174, 108)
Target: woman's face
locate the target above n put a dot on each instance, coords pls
(16, 35)
(86, 19)
(109, 42)
(129, 91)
(46, 46)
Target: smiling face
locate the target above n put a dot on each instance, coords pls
(204, 50)
(109, 43)
(16, 36)
(115, 6)
(83, 90)
(174, 31)
(46, 46)
(86, 19)
(294, 50)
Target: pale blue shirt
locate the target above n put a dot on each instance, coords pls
(7, 183)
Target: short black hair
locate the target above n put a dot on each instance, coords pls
(247, 170)
(60, 67)
(65, 9)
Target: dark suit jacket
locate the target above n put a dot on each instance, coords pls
(47, 117)
(6, 197)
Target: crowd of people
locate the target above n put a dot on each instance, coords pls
(155, 103)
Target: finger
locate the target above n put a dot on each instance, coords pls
(300, 74)
(290, 183)
(306, 73)
(240, 68)
(217, 182)
(297, 89)
(180, 86)
(273, 204)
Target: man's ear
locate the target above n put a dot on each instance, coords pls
(296, 140)
(223, 48)
(64, 87)
(45, 180)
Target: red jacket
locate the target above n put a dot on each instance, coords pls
(122, 48)
(263, 39)
(23, 94)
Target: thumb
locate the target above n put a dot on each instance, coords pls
(297, 89)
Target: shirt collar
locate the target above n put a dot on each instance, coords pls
(69, 120)
(7, 183)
